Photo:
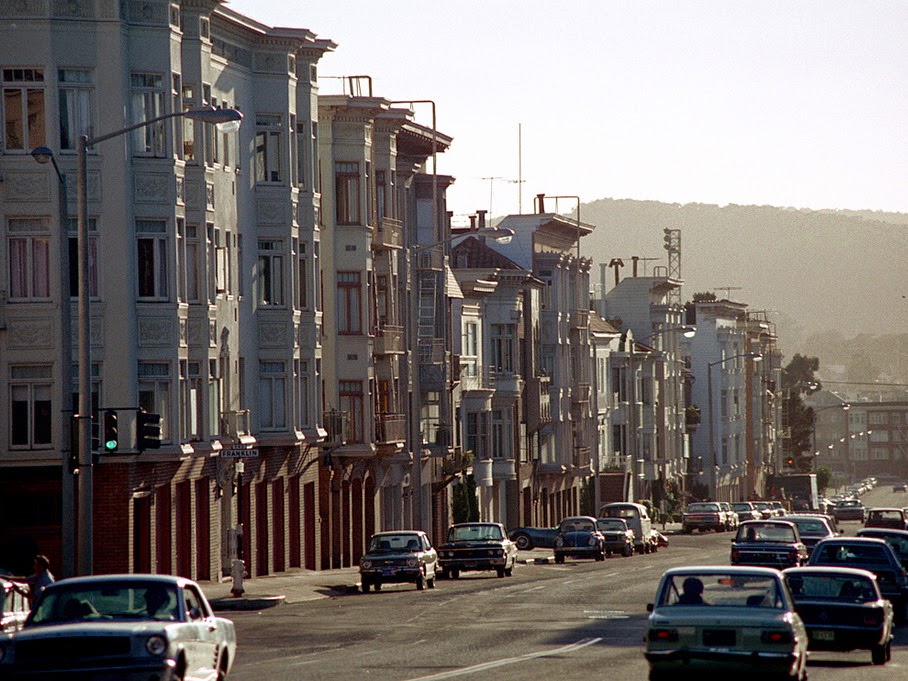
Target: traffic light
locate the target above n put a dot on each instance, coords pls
(790, 461)
(148, 431)
(111, 439)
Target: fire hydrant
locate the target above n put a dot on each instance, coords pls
(237, 570)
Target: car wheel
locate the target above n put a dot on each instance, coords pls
(377, 586)
(628, 550)
(600, 556)
(559, 558)
(455, 574)
(509, 571)
(524, 543)
(608, 553)
(900, 615)
(443, 573)
(878, 654)
(499, 572)
(420, 582)
(365, 587)
(430, 583)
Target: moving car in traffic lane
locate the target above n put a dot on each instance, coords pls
(477, 547)
(720, 618)
(398, 557)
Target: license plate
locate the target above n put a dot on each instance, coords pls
(469, 565)
(388, 573)
(824, 635)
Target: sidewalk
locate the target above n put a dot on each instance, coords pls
(298, 585)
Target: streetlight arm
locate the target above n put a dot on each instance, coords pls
(205, 114)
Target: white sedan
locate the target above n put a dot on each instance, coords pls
(121, 626)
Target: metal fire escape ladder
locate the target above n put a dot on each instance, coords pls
(427, 283)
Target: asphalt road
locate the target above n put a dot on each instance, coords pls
(580, 620)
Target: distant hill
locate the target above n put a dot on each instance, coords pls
(822, 273)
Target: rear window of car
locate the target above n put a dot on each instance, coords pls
(832, 587)
(854, 554)
(703, 508)
(730, 590)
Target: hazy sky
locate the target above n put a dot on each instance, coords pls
(770, 102)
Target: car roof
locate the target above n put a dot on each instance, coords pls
(821, 569)
(125, 577)
(722, 570)
(579, 517)
(767, 521)
(387, 532)
(888, 531)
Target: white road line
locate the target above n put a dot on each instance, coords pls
(582, 643)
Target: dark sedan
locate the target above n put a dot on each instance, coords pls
(843, 610)
(897, 540)
(811, 528)
(850, 509)
(619, 538)
(768, 543)
(475, 547)
(871, 554)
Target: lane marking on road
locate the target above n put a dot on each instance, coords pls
(606, 614)
(582, 643)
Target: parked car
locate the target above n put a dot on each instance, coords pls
(777, 508)
(120, 626)
(742, 621)
(900, 487)
(811, 528)
(529, 538)
(842, 609)
(872, 554)
(619, 538)
(646, 539)
(731, 516)
(398, 556)
(897, 540)
(894, 518)
(850, 509)
(477, 547)
(703, 515)
(746, 511)
(765, 509)
(768, 543)
(14, 606)
(578, 537)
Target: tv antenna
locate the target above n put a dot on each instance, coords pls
(727, 289)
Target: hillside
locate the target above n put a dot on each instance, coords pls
(823, 274)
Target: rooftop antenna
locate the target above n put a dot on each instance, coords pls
(727, 289)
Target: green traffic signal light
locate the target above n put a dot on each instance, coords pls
(111, 431)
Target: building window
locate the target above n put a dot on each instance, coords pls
(30, 414)
(349, 303)
(75, 106)
(272, 395)
(502, 346)
(271, 272)
(877, 418)
(73, 242)
(470, 358)
(151, 259)
(29, 258)
(148, 104)
(346, 188)
(215, 394)
(303, 276)
(267, 148)
(303, 381)
(191, 404)
(477, 434)
(350, 394)
(188, 125)
(381, 195)
(23, 109)
(303, 137)
(500, 447)
(154, 392)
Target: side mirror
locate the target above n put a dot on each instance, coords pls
(195, 614)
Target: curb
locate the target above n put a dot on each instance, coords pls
(245, 603)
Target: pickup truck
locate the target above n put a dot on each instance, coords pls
(768, 543)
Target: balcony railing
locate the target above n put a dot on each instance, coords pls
(390, 234)
(389, 340)
(390, 428)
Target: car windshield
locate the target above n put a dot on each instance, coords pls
(107, 601)
(701, 508)
(611, 524)
(577, 525)
(759, 532)
(394, 543)
(742, 507)
(731, 590)
(850, 553)
(832, 587)
(474, 533)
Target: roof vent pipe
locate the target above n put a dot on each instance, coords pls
(540, 203)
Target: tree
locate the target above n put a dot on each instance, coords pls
(824, 475)
(798, 379)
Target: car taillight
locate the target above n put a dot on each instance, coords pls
(776, 637)
(873, 619)
(735, 554)
(663, 635)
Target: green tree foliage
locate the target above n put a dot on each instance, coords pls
(824, 476)
(464, 506)
(798, 379)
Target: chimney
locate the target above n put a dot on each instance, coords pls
(472, 223)
(482, 218)
(540, 203)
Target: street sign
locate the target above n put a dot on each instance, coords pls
(240, 453)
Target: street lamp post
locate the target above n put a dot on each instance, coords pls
(756, 357)
(228, 119)
(44, 155)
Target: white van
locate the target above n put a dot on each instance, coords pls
(646, 539)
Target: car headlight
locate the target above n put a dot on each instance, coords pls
(156, 645)
(366, 564)
(559, 542)
(593, 540)
(412, 562)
